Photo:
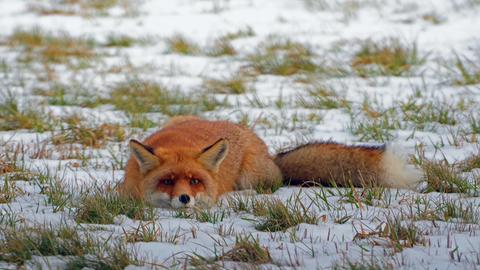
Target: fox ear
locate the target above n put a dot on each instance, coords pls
(144, 156)
(211, 157)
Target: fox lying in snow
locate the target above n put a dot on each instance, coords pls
(192, 161)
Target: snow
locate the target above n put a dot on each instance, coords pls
(447, 245)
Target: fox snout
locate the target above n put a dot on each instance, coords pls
(161, 199)
(183, 200)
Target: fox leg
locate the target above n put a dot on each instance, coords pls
(259, 173)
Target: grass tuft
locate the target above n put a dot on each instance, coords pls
(124, 41)
(282, 57)
(221, 47)
(470, 163)
(278, 216)
(19, 245)
(248, 249)
(77, 132)
(203, 215)
(321, 96)
(467, 71)
(377, 126)
(241, 33)
(236, 84)
(139, 96)
(86, 8)
(13, 117)
(58, 94)
(401, 235)
(48, 47)
(181, 45)
(8, 190)
(386, 58)
(451, 211)
(114, 257)
(443, 177)
(102, 206)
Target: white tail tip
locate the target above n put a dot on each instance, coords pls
(398, 174)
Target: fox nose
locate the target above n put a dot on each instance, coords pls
(184, 198)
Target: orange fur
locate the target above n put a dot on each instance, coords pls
(178, 148)
(331, 163)
(193, 161)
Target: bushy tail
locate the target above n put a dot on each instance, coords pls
(330, 163)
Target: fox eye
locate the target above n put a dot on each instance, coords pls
(167, 182)
(194, 181)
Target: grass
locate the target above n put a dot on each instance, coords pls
(182, 45)
(114, 257)
(320, 96)
(140, 96)
(138, 120)
(377, 129)
(241, 33)
(115, 40)
(274, 214)
(470, 163)
(452, 210)
(151, 232)
(221, 47)
(282, 57)
(13, 116)
(58, 94)
(58, 195)
(77, 249)
(423, 115)
(474, 122)
(147, 232)
(77, 132)
(21, 244)
(278, 216)
(8, 190)
(434, 18)
(375, 122)
(102, 206)
(203, 215)
(86, 8)
(400, 234)
(235, 84)
(443, 177)
(363, 265)
(247, 249)
(466, 71)
(373, 195)
(386, 58)
(49, 47)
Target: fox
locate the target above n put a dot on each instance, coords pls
(191, 162)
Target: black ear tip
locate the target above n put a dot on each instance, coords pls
(134, 141)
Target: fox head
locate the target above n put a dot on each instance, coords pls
(179, 177)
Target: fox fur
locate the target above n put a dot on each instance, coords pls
(191, 161)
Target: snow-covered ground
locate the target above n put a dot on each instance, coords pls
(431, 112)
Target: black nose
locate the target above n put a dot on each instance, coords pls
(184, 198)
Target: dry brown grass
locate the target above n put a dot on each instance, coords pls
(390, 57)
(49, 47)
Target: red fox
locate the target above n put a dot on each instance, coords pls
(192, 161)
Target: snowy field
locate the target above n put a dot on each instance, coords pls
(81, 77)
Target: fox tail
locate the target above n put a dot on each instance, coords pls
(330, 163)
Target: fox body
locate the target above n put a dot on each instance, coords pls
(192, 161)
